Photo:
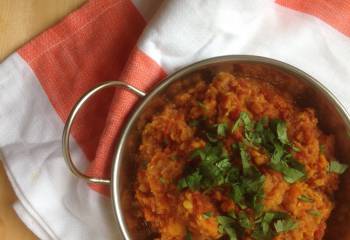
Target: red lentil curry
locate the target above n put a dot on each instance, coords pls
(235, 158)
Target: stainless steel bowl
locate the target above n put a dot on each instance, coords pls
(307, 92)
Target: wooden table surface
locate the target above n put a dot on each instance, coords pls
(20, 21)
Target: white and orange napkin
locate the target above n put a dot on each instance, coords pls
(139, 42)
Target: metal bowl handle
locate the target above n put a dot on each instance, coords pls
(73, 114)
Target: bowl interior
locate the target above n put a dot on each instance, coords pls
(306, 91)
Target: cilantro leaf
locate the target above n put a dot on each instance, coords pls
(292, 175)
(225, 221)
(257, 201)
(237, 195)
(248, 124)
(202, 105)
(244, 221)
(245, 158)
(188, 235)
(193, 123)
(236, 125)
(182, 184)
(193, 181)
(305, 198)
(285, 225)
(207, 215)
(322, 148)
(315, 213)
(221, 129)
(281, 129)
(277, 154)
(246, 121)
(337, 167)
(198, 153)
(225, 226)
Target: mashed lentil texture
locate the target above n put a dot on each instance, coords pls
(235, 158)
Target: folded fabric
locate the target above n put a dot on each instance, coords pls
(138, 42)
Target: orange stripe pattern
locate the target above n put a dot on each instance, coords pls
(93, 45)
(334, 12)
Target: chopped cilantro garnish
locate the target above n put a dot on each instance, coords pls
(245, 120)
(277, 154)
(207, 215)
(244, 221)
(193, 123)
(285, 225)
(322, 148)
(236, 125)
(337, 167)
(315, 213)
(305, 198)
(202, 105)
(212, 167)
(198, 152)
(224, 220)
(237, 195)
(292, 175)
(248, 124)
(225, 226)
(245, 158)
(188, 235)
(295, 149)
(193, 181)
(263, 228)
(257, 201)
(281, 129)
(221, 129)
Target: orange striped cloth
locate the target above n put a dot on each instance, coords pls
(83, 51)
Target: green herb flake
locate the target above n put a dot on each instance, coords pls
(207, 215)
(225, 226)
(315, 213)
(193, 181)
(193, 123)
(182, 184)
(277, 154)
(225, 221)
(305, 198)
(236, 125)
(322, 148)
(248, 124)
(285, 225)
(198, 153)
(237, 194)
(281, 129)
(211, 137)
(188, 235)
(296, 149)
(244, 221)
(337, 167)
(202, 105)
(292, 175)
(221, 129)
(245, 158)
(232, 214)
